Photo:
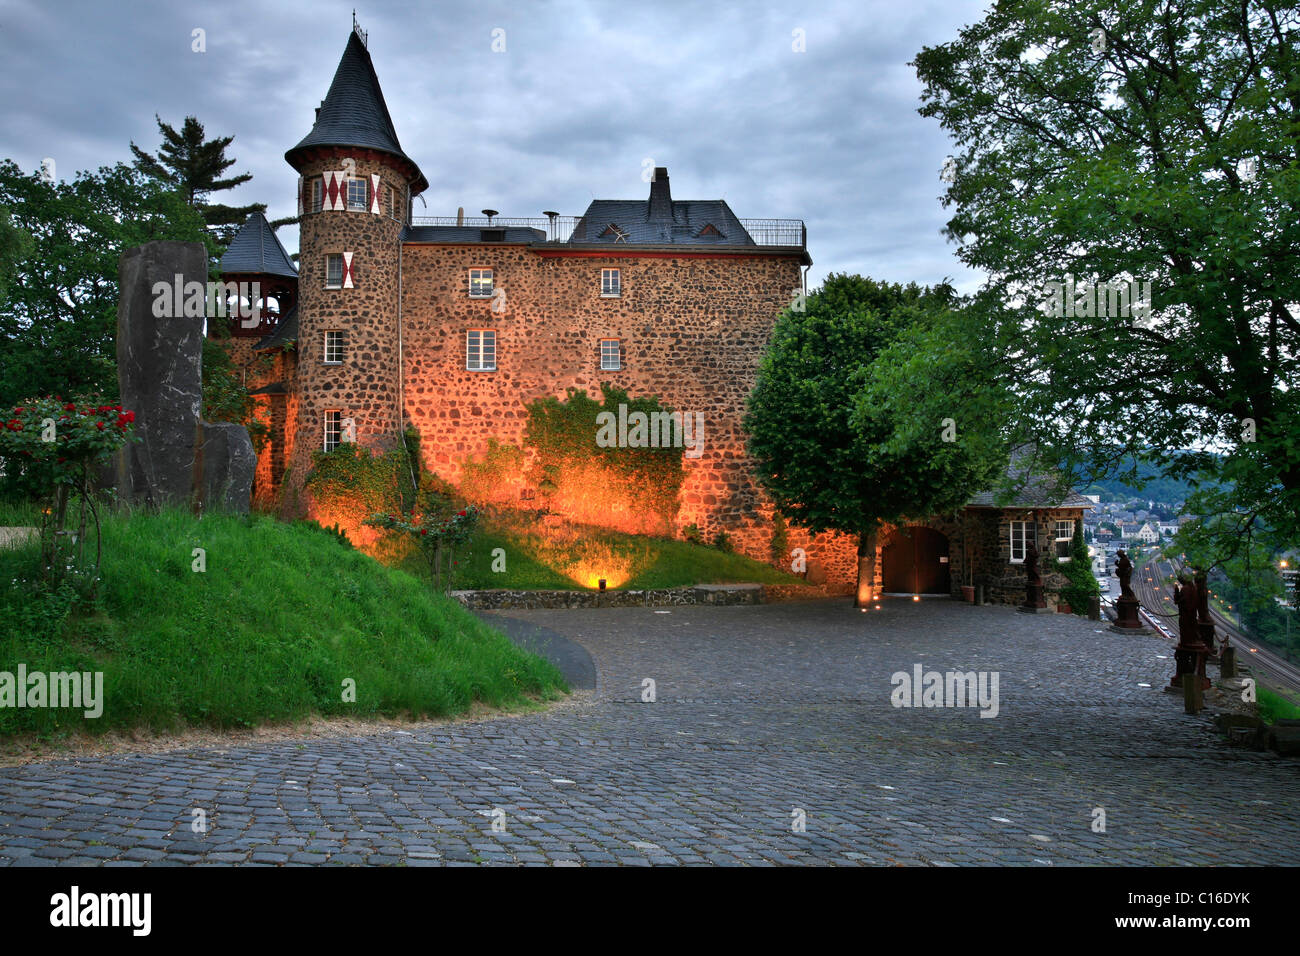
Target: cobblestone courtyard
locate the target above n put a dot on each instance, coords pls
(760, 712)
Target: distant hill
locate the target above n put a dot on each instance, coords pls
(1156, 487)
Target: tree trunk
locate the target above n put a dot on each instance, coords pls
(866, 568)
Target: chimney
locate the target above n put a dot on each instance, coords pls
(661, 199)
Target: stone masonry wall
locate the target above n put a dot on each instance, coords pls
(1004, 582)
(364, 386)
(692, 332)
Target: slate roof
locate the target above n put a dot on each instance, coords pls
(284, 333)
(257, 249)
(682, 225)
(660, 220)
(470, 233)
(354, 113)
(1033, 491)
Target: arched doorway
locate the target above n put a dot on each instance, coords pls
(916, 562)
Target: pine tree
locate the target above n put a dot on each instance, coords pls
(193, 167)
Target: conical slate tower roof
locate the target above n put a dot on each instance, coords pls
(354, 113)
(256, 249)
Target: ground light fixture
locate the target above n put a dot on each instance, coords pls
(916, 597)
(601, 584)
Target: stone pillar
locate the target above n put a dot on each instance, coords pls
(159, 369)
(178, 458)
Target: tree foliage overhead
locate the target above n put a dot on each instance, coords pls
(856, 399)
(192, 166)
(58, 317)
(1157, 141)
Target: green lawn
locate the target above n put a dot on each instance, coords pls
(282, 616)
(571, 556)
(1274, 707)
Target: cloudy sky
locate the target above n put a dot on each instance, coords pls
(584, 96)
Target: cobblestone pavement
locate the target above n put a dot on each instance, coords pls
(760, 713)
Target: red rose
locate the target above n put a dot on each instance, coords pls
(99, 425)
(130, 416)
(461, 513)
(424, 531)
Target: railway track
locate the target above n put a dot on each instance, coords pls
(1153, 587)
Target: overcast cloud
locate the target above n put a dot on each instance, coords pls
(584, 94)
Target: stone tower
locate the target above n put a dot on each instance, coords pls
(354, 195)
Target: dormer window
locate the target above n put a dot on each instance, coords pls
(613, 232)
(710, 231)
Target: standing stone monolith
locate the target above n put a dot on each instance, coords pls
(178, 459)
(159, 370)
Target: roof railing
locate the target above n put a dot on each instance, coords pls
(764, 232)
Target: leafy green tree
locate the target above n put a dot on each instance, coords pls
(15, 246)
(226, 397)
(1153, 141)
(194, 166)
(58, 318)
(846, 437)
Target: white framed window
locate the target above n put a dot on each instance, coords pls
(611, 285)
(333, 347)
(317, 193)
(480, 283)
(333, 428)
(1063, 536)
(611, 356)
(1022, 532)
(334, 270)
(481, 350)
(358, 194)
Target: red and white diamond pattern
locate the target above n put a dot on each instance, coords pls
(347, 270)
(374, 193)
(336, 191)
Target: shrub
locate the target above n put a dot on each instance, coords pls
(57, 445)
(632, 489)
(693, 534)
(1082, 586)
(722, 541)
(780, 539)
(496, 477)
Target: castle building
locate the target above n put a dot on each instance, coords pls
(453, 325)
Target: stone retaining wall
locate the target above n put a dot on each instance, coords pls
(729, 594)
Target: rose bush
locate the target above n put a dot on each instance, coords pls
(433, 534)
(56, 443)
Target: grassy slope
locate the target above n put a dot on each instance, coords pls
(576, 556)
(281, 616)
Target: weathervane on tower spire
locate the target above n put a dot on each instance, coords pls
(361, 34)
